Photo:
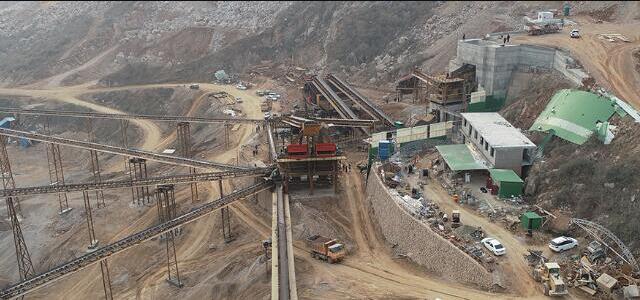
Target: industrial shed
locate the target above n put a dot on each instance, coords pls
(508, 182)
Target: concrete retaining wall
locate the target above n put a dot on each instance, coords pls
(419, 242)
(496, 63)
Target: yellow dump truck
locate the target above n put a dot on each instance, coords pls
(325, 248)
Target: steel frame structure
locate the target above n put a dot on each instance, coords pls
(608, 239)
(166, 203)
(102, 253)
(163, 158)
(96, 115)
(149, 181)
(184, 145)
(138, 171)
(56, 175)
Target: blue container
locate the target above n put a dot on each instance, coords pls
(384, 150)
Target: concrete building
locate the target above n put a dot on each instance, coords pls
(495, 63)
(502, 145)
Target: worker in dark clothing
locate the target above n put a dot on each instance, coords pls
(463, 37)
(504, 41)
(508, 38)
(349, 168)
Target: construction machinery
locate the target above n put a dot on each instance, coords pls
(265, 106)
(548, 273)
(455, 219)
(543, 29)
(326, 249)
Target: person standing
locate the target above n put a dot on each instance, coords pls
(508, 38)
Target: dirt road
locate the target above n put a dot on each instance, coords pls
(610, 63)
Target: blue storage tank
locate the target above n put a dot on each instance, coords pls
(384, 150)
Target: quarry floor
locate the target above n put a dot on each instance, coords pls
(611, 64)
(213, 269)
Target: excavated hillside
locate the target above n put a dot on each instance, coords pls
(142, 42)
(591, 181)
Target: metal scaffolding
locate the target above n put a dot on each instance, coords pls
(138, 171)
(97, 178)
(106, 280)
(93, 242)
(25, 266)
(166, 203)
(226, 218)
(184, 146)
(88, 259)
(56, 174)
(7, 175)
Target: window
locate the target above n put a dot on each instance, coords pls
(486, 146)
(465, 123)
(475, 134)
(470, 128)
(493, 152)
(481, 141)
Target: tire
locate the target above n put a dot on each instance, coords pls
(546, 289)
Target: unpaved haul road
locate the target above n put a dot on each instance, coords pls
(610, 63)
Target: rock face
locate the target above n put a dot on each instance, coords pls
(422, 245)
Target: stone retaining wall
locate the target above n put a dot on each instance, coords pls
(419, 242)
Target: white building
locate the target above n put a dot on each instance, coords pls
(501, 144)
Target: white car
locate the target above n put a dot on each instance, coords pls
(575, 33)
(494, 246)
(563, 243)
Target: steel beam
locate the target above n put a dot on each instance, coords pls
(149, 181)
(184, 145)
(96, 115)
(163, 158)
(102, 253)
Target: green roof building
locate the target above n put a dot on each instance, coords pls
(508, 182)
(531, 221)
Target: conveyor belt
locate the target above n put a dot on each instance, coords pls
(174, 160)
(102, 253)
(371, 109)
(95, 115)
(176, 179)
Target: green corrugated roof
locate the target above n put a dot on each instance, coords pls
(504, 175)
(572, 115)
(460, 158)
(531, 215)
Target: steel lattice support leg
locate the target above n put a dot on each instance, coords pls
(56, 174)
(226, 218)
(184, 146)
(106, 280)
(138, 171)
(7, 175)
(124, 124)
(93, 242)
(166, 203)
(25, 266)
(97, 178)
(226, 135)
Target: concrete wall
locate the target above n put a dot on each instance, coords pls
(495, 63)
(509, 158)
(419, 242)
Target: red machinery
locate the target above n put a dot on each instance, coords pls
(297, 151)
(325, 150)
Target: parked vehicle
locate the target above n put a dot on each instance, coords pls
(563, 243)
(455, 219)
(326, 249)
(595, 251)
(575, 34)
(194, 86)
(494, 246)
